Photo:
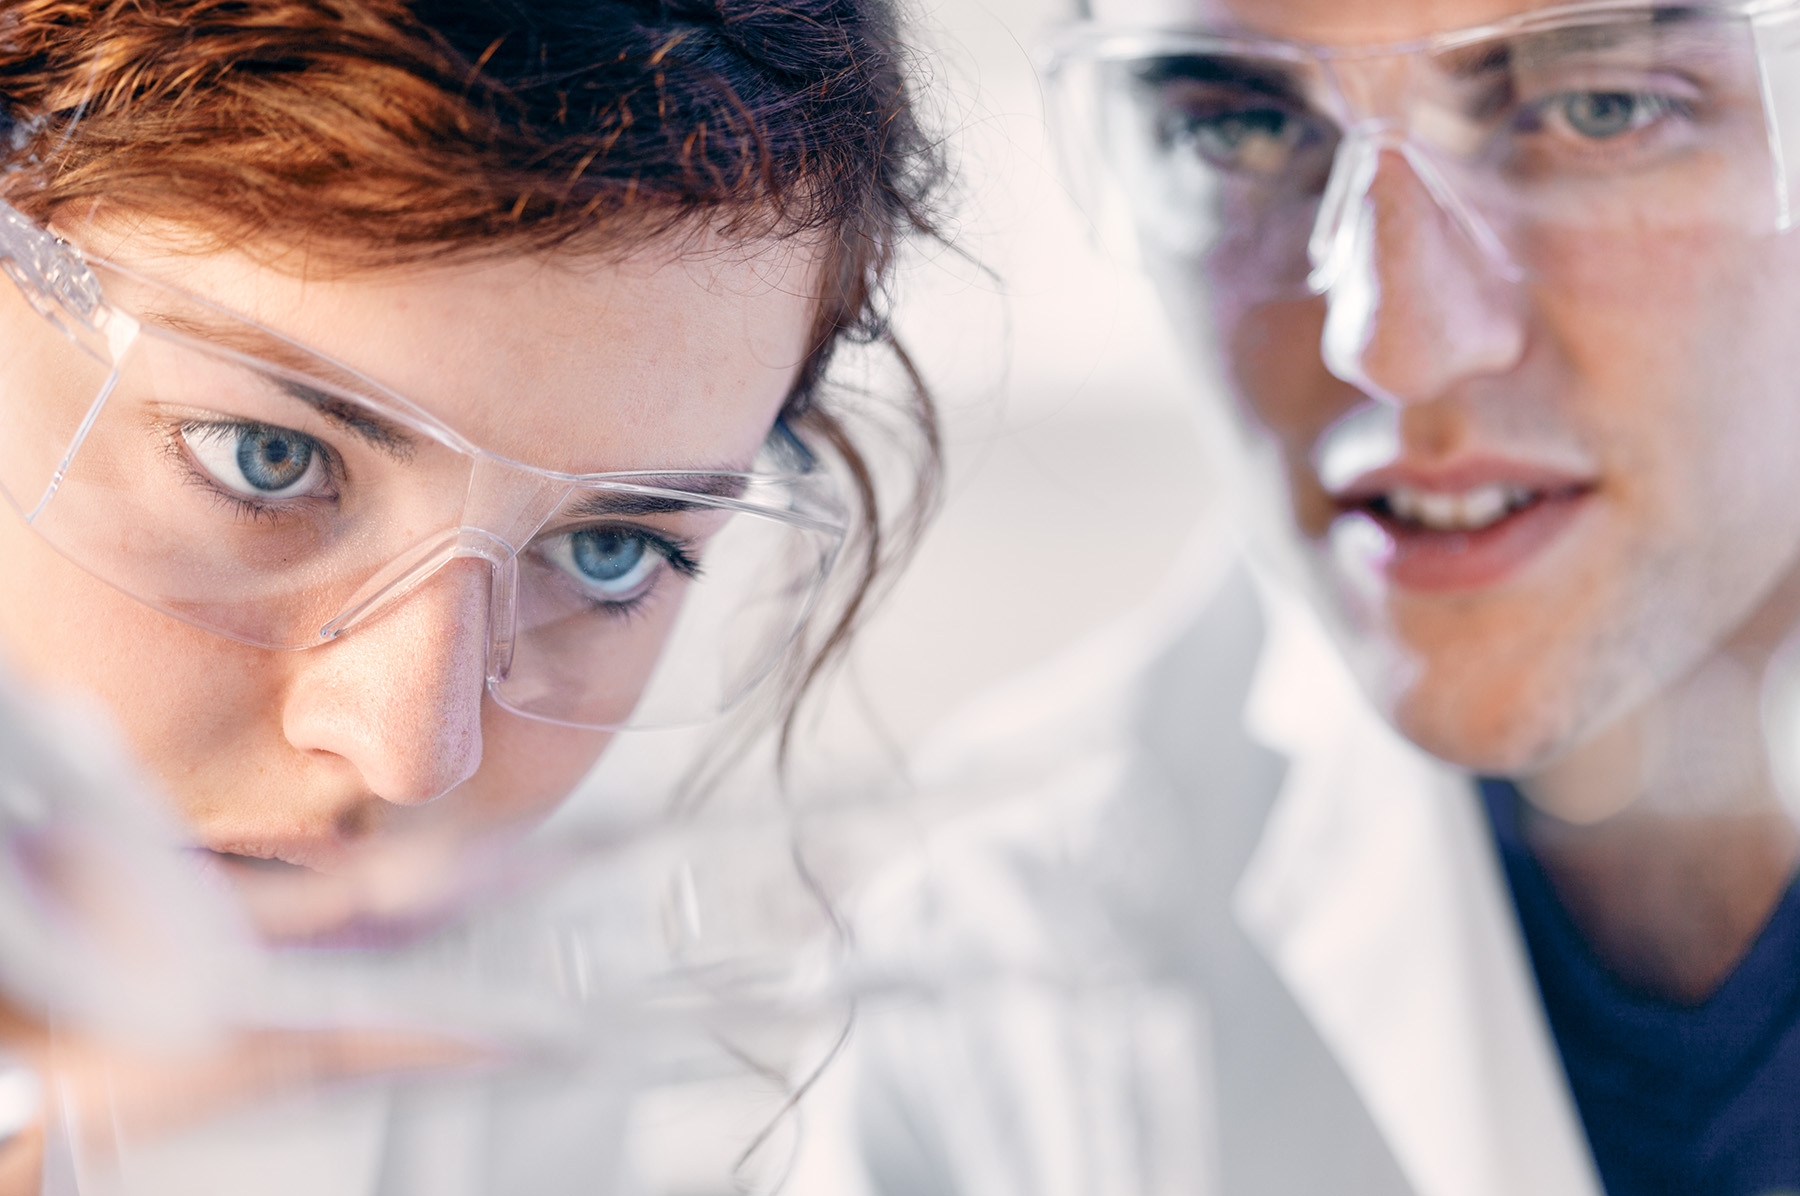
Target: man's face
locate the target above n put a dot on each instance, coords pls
(1577, 484)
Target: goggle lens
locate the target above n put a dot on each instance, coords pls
(280, 505)
(1619, 122)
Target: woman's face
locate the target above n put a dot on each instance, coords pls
(291, 763)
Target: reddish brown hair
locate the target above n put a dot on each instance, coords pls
(376, 132)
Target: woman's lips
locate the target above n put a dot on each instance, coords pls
(258, 863)
(381, 895)
(1464, 531)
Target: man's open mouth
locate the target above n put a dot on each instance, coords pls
(1414, 509)
(1445, 537)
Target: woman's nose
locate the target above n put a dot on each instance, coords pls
(1415, 304)
(400, 697)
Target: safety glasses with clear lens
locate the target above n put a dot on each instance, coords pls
(1549, 138)
(241, 482)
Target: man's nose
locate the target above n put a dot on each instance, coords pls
(1415, 304)
(400, 697)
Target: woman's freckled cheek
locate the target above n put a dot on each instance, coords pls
(204, 714)
(196, 709)
(180, 697)
(528, 768)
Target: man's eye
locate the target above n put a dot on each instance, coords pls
(257, 460)
(1259, 141)
(1600, 115)
(614, 564)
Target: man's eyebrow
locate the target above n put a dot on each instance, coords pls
(1274, 79)
(388, 436)
(1475, 62)
(1502, 54)
(662, 495)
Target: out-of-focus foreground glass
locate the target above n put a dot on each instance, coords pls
(1599, 120)
(237, 480)
(154, 1043)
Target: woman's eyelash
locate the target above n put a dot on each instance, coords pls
(678, 553)
(239, 504)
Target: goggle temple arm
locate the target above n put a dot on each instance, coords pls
(48, 269)
(58, 284)
(1777, 35)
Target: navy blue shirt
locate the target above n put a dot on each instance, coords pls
(1677, 1100)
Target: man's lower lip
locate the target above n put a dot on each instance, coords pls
(1436, 561)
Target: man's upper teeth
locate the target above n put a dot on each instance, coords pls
(1465, 510)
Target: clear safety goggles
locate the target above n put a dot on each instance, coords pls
(1543, 138)
(239, 481)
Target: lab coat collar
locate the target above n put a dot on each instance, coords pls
(1374, 892)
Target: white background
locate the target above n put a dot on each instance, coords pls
(1074, 471)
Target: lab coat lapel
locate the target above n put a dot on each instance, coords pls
(1375, 895)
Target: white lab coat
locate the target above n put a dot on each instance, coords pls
(1233, 935)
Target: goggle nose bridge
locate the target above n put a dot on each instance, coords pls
(412, 570)
(1343, 222)
(500, 495)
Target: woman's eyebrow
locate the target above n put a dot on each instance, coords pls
(665, 498)
(390, 438)
(387, 435)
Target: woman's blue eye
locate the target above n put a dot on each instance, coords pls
(257, 460)
(606, 556)
(273, 459)
(614, 563)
